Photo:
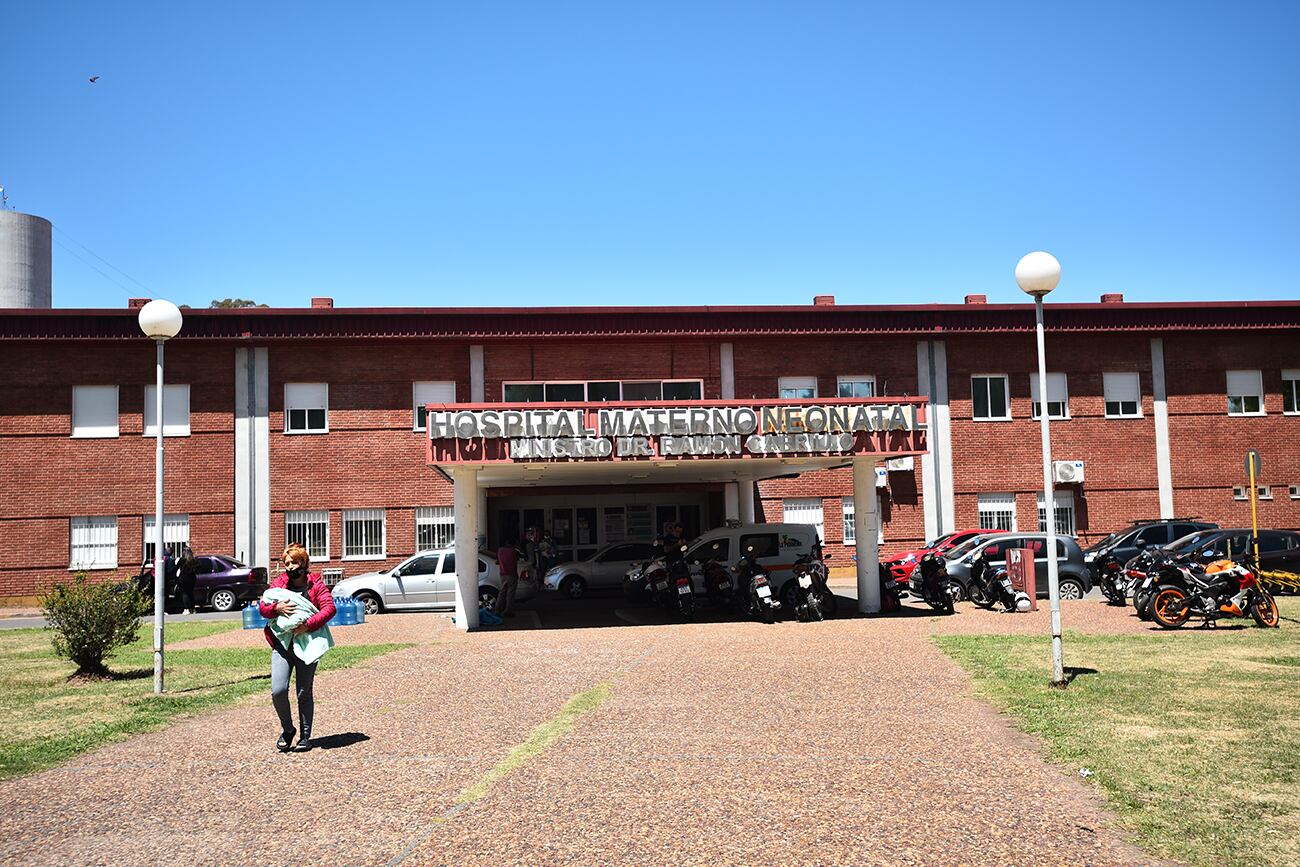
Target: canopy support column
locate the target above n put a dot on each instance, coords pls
(731, 501)
(865, 535)
(466, 494)
(746, 490)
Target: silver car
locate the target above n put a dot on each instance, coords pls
(605, 568)
(426, 580)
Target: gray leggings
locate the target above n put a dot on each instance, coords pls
(282, 662)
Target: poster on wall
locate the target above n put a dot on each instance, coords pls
(584, 531)
(640, 523)
(614, 524)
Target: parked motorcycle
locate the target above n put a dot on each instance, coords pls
(982, 589)
(1111, 578)
(682, 593)
(812, 596)
(933, 584)
(1222, 589)
(754, 582)
(720, 586)
(1148, 571)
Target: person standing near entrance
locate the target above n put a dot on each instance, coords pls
(284, 658)
(186, 572)
(508, 557)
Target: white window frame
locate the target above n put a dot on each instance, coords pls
(176, 534)
(357, 515)
(1121, 387)
(1064, 503)
(1240, 393)
(1058, 391)
(586, 397)
(840, 382)
(849, 534)
(306, 404)
(98, 543)
(176, 411)
(1291, 382)
(91, 398)
(306, 517)
(1262, 492)
(426, 392)
(805, 510)
(998, 505)
(442, 519)
(1006, 391)
(796, 383)
(1294, 491)
(664, 382)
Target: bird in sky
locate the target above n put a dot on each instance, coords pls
(94, 78)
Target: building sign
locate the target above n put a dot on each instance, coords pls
(472, 433)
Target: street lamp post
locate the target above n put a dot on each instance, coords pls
(160, 320)
(1038, 273)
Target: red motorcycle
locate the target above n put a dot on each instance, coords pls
(1222, 589)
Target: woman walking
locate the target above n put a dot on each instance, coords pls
(294, 648)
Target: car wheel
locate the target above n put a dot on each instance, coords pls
(573, 586)
(958, 591)
(223, 600)
(1068, 588)
(370, 602)
(487, 597)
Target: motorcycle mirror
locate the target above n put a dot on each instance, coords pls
(749, 549)
(684, 547)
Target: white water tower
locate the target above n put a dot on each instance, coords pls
(25, 260)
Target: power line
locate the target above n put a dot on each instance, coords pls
(102, 259)
(91, 265)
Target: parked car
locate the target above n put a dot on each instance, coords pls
(902, 564)
(426, 580)
(1127, 543)
(1074, 578)
(605, 568)
(1279, 550)
(220, 581)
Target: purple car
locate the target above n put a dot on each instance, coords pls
(219, 581)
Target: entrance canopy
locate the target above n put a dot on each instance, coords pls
(487, 445)
(700, 441)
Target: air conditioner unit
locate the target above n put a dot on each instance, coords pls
(900, 464)
(1067, 472)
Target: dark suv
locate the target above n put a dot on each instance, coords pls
(1128, 543)
(1279, 550)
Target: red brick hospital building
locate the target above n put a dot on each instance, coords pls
(307, 423)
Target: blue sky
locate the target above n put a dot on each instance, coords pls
(563, 153)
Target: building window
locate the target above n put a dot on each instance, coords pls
(1291, 392)
(176, 534)
(989, 397)
(435, 527)
(425, 393)
(1064, 513)
(363, 534)
(176, 410)
(997, 512)
(94, 411)
(306, 407)
(93, 543)
(1294, 491)
(1058, 399)
(805, 510)
(1245, 392)
(309, 529)
(797, 387)
(855, 386)
(1123, 395)
(602, 391)
(1262, 492)
(850, 532)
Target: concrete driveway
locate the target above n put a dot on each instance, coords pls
(850, 741)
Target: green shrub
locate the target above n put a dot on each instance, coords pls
(90, 621)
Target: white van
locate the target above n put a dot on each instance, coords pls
(776, 547)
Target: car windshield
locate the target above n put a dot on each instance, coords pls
(963, 549)
(939, 541)
(1191, 540)
(1109, 540)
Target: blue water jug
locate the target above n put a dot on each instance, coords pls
(359, 608)
(253, 618)
(347, 615)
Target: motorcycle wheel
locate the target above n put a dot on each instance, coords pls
(765, 613)
(1114, 596)
(815, 611)
(978, 596)
(1169, 607)
(1265, 611)
(1142, 602)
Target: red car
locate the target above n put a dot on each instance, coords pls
(902, 564)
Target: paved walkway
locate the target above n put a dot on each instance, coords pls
(851, 741)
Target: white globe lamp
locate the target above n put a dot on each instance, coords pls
(1038, 273)
(160, 319)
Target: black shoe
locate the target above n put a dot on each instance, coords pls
(283, 743)
(303, 745)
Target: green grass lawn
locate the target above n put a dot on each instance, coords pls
(45, 719)
(1193, 736)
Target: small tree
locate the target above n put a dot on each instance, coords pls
(233, 302)
(90, 621)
